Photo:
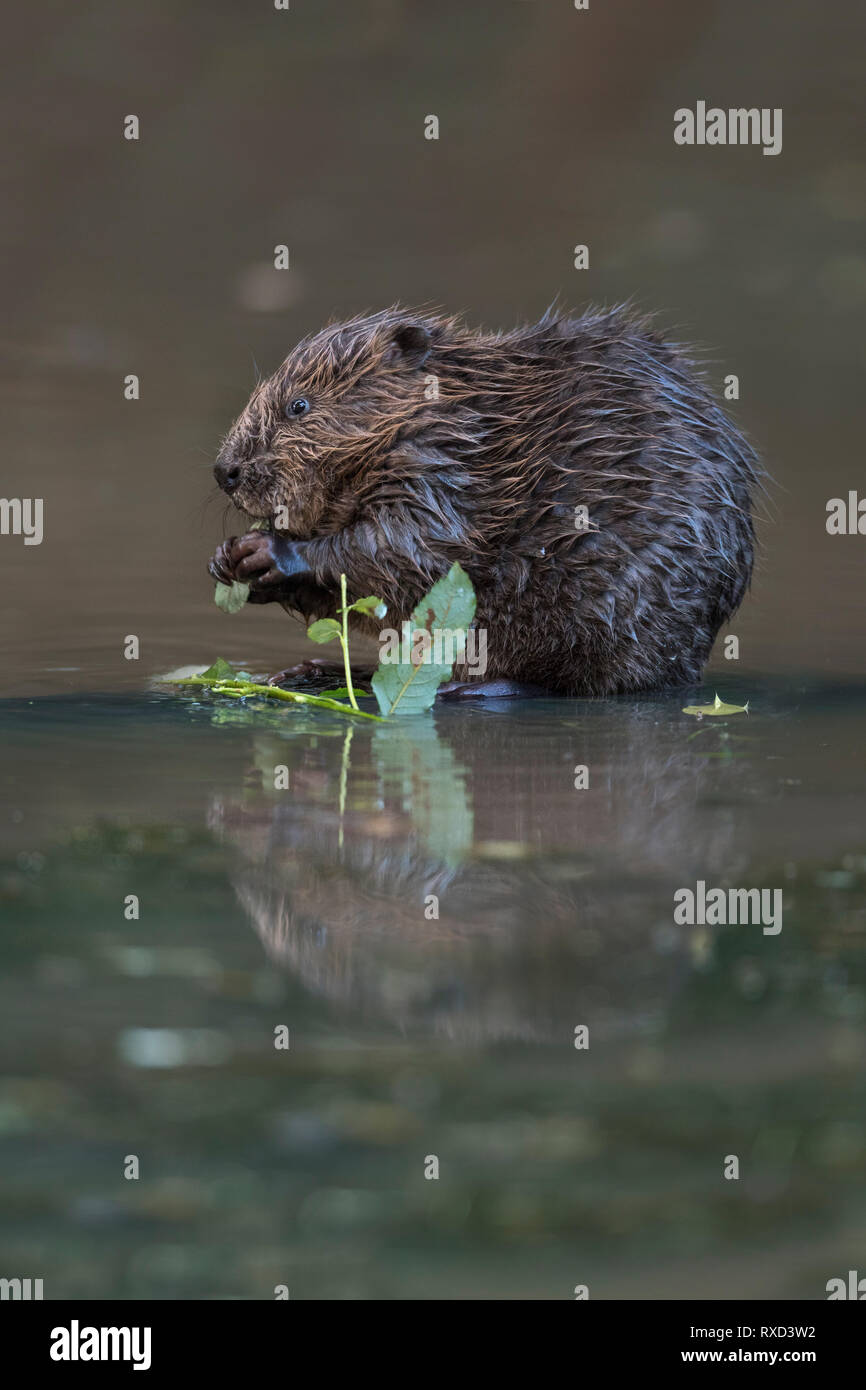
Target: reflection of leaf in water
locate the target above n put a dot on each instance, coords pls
(229, 714)
(725, 754)
(410, 764)
(344, 776)
(414, 763)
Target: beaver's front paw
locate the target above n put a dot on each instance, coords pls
(269, 564)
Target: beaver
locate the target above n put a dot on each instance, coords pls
(578, 468)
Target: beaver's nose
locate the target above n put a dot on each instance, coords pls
(227, 472)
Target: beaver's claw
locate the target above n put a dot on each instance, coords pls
(219, 565)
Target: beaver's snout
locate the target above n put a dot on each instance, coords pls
(227, 471)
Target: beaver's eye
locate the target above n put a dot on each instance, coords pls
(298, 407)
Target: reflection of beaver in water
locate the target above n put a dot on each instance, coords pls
(551, 906)
(400, 443)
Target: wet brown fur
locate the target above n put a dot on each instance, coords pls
(428, 442)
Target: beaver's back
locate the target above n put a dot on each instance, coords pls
(617, 497)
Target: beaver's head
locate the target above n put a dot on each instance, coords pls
(313, 431)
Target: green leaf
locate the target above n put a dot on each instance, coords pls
(325, 630)
(406, 688)
(717, 707)
(231, 597)
(220, 671)
(372, 606)
(337, 694)
(401, 689)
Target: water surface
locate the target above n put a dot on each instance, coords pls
(411, 1036)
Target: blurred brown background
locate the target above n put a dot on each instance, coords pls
(306, 127)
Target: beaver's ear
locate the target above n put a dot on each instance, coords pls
(412, 341)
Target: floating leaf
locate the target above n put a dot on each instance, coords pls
(410, 688)
(231, 597)
(221, 670)
(180, 673)
(325, 630)
(717, 707)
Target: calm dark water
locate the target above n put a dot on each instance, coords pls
(452, 1037)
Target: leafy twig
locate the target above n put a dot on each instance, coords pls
(241, 688)
(326, 629)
